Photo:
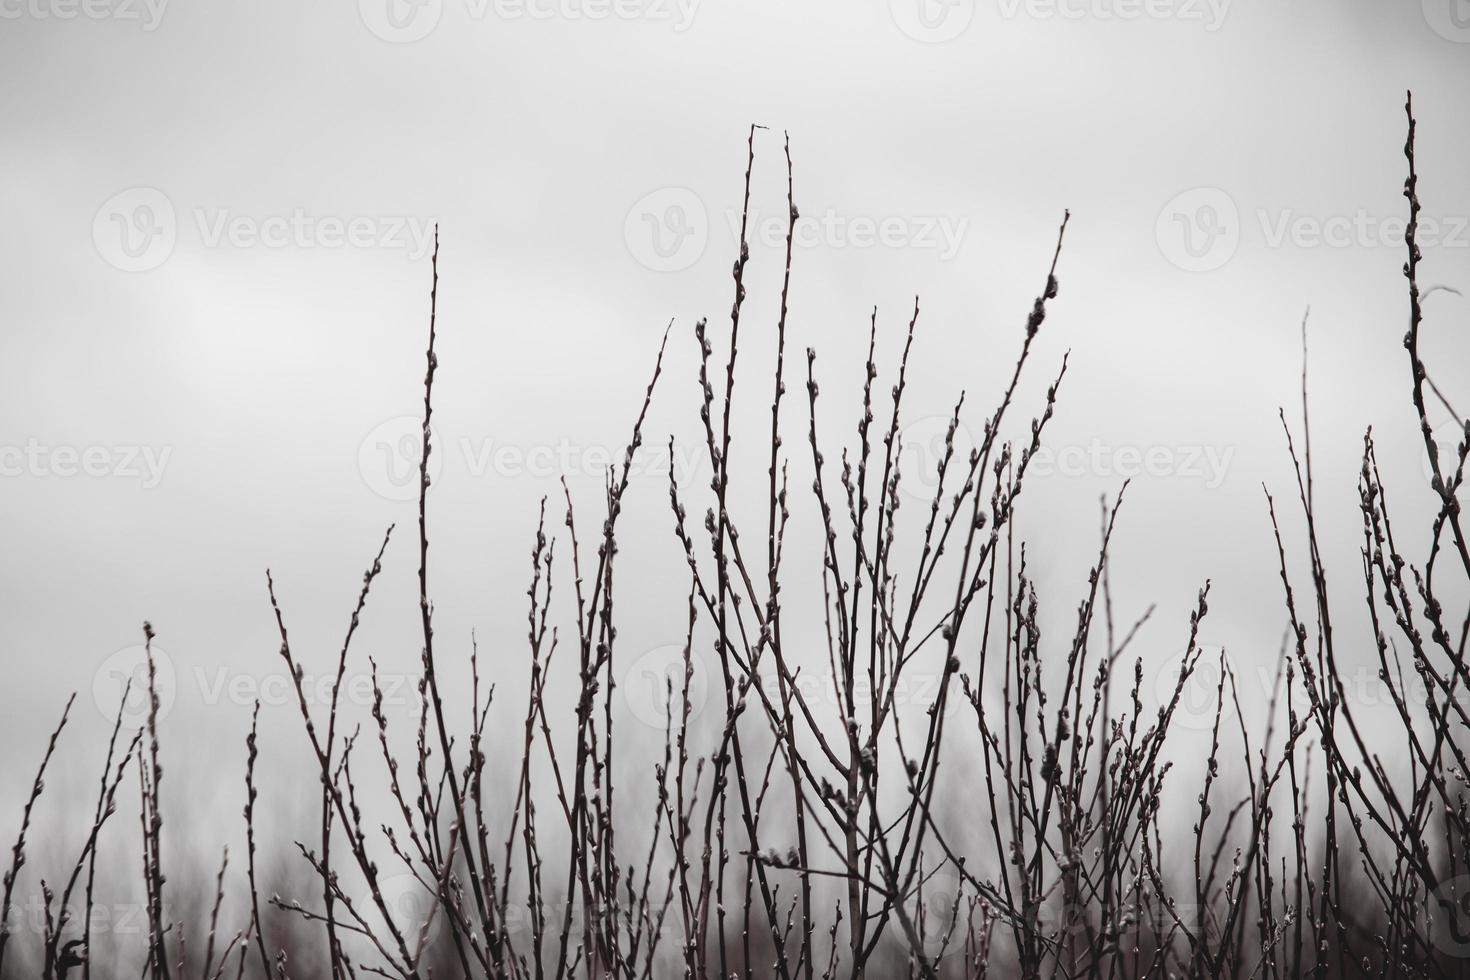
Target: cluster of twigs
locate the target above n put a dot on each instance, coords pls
(814, 839)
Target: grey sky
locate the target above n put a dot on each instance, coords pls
(216, 293)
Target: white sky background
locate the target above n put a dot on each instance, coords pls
(534, 142)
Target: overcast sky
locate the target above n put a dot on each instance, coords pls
(214, 309)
